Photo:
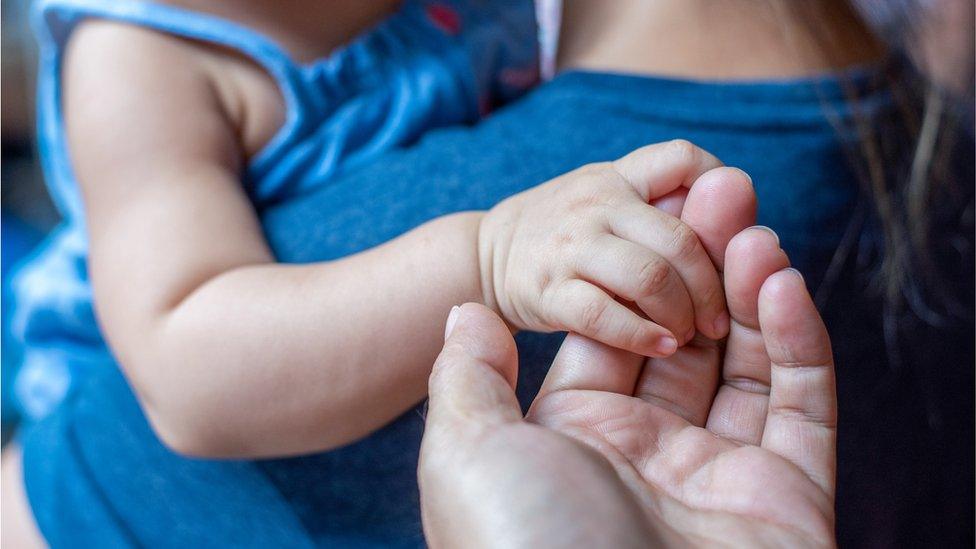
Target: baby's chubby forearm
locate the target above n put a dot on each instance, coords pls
(284, 359)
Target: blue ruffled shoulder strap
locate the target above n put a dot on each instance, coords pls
(431, 64)
(54, 21)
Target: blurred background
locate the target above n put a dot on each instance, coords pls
(25, 210)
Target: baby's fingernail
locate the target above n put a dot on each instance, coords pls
(690, 335)
(721, 324)
(666, 346)
(451, 321)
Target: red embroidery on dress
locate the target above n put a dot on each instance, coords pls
(484, 106)
(444, 18)
(520, 78)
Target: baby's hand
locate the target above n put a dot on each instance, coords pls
(587, 253)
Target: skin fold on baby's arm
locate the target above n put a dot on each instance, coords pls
(234, 355)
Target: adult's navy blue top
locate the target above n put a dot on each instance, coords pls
(95, 473)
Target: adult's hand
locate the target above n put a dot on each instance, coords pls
(622, 451)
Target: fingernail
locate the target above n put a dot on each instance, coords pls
(690, 335)
(721, 324)
(768, 230)
(796, 273)
(666, 346)
(451, 321)
(745, 173)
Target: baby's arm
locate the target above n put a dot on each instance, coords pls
(230, 353)
(234, 355)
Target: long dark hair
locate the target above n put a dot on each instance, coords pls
(916, 168)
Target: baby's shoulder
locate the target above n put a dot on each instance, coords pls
(131, 66)
(101, 48)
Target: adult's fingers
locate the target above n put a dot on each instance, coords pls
(473, 379)
(579, 306)
(656, 170)
(471, 393)
(801, 424)
(752, 256)
(738, 411)
(684, 382)
(643, 277)
(668, 237)
(585, 364)
(720, 204)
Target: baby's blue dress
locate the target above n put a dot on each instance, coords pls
(432, 64)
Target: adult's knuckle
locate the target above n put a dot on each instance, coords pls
(792, 360)
(823, 416)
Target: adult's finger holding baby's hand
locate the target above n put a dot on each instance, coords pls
(720, 204)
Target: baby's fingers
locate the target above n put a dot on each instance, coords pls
(670, 238)
(578, 306)
(643, 277)
(658, 169)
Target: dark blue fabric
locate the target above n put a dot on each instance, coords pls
(96, 464)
